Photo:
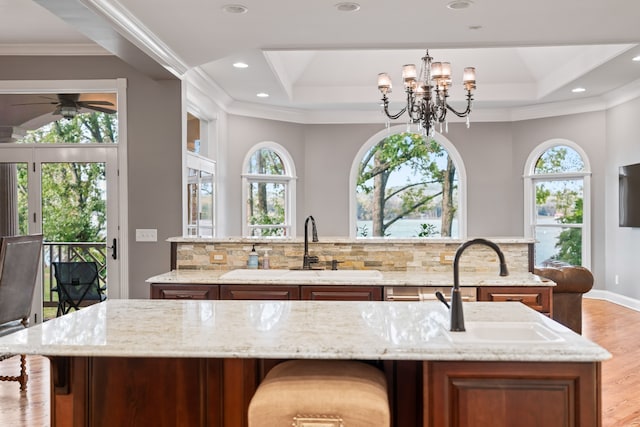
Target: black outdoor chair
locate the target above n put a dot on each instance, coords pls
(77, 285)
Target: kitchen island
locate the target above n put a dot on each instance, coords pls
(198, 363)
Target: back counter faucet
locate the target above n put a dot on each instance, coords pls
(457, 316)
(307, 259)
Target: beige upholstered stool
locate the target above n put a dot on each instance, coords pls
(321, 393)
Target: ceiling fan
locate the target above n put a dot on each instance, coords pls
(69, 104)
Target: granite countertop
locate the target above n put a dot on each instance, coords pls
(343, 239)
(386, 278)
(294, 329)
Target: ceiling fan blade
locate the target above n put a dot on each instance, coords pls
(36, 103)
(100, 109)
(90, 103)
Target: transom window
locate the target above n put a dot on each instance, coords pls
(408, 185)
(557, 184)
(268, 187)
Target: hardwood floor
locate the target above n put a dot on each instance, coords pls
(616, 328)
(29, 408)
(612, 326)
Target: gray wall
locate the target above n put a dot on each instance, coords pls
(622, 247)
(154, 151)
(494, 155)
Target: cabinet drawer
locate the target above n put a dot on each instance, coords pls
(189, 292)
(538, 298)
(342, 293)
(259, 292)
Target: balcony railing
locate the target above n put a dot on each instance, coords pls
(70, 252)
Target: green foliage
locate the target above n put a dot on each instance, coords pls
(559, 159)
(73, 194)
(407, 154)
(566, 199)
(542, 194)
(427, 230)
(569, 242)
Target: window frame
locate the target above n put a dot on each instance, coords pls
(200, 164)
(288, 179)
(453, 154)
(530, 179)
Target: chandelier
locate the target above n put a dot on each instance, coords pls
(427, 94)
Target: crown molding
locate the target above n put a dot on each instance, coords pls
(137, 33)
(68, 49)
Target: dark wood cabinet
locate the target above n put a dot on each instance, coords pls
(266, 292)
(536, 297)
(108, 391)
(184, 291)
(471, 394)
(341, 293)
(260, 292)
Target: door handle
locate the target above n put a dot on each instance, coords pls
(114, 249)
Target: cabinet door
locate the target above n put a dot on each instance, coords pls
(187, 291)
(342, 293)
(523, 394)
(538, 298)
(260, 292)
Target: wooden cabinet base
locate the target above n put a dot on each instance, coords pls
(196, 392)
(503, 394)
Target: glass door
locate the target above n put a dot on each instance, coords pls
(69, 194)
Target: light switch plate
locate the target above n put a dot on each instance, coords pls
(146, 235)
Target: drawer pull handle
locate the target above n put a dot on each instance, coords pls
(183, 296)
(515, 299)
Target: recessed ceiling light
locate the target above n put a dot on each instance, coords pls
(636, 58)
(235, 8)
(240, 65)
(347, 6)
(262, 95)
(459, 4)
(578, 90)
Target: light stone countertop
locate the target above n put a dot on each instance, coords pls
(387, 279)
(342, 239)
(293, 329)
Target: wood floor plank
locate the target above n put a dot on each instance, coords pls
(29, 408)
(612, 326)
(615, 328)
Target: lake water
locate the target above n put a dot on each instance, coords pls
(546, 236)
(407, 227)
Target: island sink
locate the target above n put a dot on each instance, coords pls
(505, 333)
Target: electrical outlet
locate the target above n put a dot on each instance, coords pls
(446, 258)
(617, 279)
(218, 257)
(146, 235)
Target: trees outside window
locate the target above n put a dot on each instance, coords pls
(407, 186)
(73, 194)
(268, 192)
(557, 186)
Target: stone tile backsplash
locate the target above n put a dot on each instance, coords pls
(383, 256)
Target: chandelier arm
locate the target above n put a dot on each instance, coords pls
(464, 113)
(392, 116)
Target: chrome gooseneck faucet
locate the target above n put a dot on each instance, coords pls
(457, 316)
(307, 259)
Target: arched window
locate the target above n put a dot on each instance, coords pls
(268, 190)
(557, 202)
(403, 185)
